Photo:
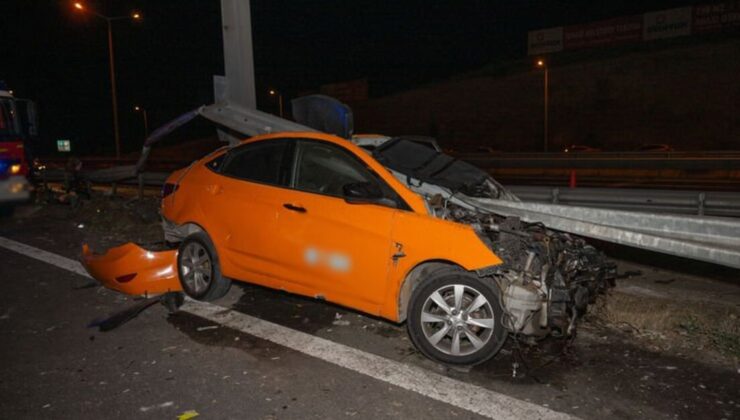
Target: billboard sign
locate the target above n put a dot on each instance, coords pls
(716, 17)
(667, 23)
(545, 41)
(606, 32)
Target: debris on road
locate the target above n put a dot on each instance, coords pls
(339, 321)
(152, 407)
(190, 414)
(210, 327)
(119, 318)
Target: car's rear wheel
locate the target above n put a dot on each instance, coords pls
(199, 269)
(456, 318)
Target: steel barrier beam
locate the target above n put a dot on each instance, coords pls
(693, 161)
(711, 203)
(704, 238)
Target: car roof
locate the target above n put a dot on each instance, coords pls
(411, 198)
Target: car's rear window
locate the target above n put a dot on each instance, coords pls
(259, 162)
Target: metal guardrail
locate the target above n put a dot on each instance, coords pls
(709, 160)
(703, 203)
(729, 161)
(116, 175)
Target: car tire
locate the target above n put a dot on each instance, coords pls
(465, 333)
(199, 270)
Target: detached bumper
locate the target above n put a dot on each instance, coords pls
(133, 270)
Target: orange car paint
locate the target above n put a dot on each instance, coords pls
(335, 250)
(156, 272)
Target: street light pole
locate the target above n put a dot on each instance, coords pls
(547, 104)
(146, 121)
(116, 132)
(543, 65)
(273, 92)
(111, 59)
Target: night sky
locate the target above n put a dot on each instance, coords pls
(58, 57)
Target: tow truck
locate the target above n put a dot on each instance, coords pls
(18, 129)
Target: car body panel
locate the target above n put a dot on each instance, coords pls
(357, 255)
(421, 239)
(336, 250)
(244, 248)
(155, 272)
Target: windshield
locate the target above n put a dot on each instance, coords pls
(9, 127)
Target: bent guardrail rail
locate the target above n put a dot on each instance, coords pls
(704, 238)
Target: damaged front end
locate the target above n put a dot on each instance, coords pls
(548, 277)
(133, 270)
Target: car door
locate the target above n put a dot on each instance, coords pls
(242, 204)
(336, 250)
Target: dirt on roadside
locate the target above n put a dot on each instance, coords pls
(675, 313)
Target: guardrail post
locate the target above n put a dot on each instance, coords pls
(702, 199)
(555, 195)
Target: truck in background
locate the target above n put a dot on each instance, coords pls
(18, 130)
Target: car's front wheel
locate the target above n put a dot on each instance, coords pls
(456, 318)
(199, 269)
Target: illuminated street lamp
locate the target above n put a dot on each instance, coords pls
(273, 92)
(108, 19)
(137, 108)
(543, 65)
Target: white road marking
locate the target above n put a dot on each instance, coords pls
(45, 256)
(460, 394)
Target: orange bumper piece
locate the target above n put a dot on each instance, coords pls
(133, 270)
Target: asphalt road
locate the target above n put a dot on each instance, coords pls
(160, 365)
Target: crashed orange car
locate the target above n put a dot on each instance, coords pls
(391, 227)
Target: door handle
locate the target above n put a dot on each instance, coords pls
(293, 207)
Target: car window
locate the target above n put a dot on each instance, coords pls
(263, 162)
(324, 168)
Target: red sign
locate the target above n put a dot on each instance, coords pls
(716, 17)
(606, 32)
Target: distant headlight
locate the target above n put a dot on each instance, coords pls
(17, 187)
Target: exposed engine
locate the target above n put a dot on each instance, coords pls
(548, 278)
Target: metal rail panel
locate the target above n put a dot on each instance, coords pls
(711, 203)
(704, 238)
(695, 161)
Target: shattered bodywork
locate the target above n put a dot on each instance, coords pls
(548, 277)
(133, 270)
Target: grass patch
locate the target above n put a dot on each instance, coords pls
(693, 327)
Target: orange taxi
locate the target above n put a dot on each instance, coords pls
(319, 216)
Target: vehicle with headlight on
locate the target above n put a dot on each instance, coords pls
(320, 216)
(17, 129)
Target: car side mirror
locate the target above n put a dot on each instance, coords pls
(365, 193)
